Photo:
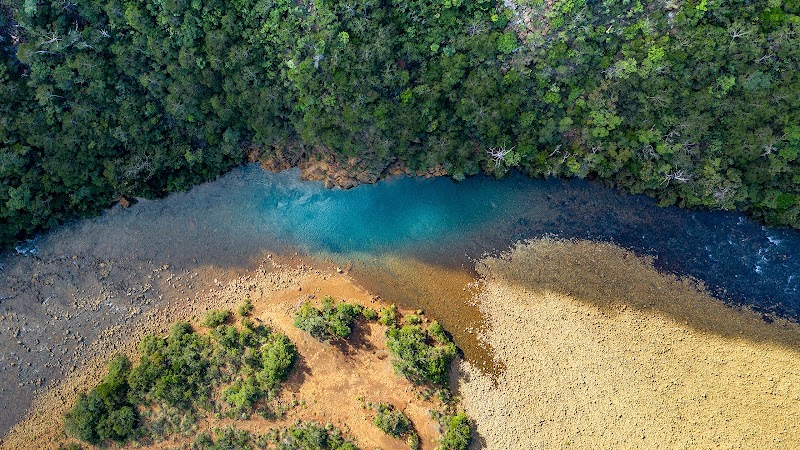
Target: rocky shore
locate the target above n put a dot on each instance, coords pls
(319, 164)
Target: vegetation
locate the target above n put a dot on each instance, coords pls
(388, 315)
(105, 413)
(695, 103)
(245, 308)
(331, 322)
(215, 318)
(179, 374)
(457, 432)
(421, 355)
(394, 423)
(311, 436)
(301, 435)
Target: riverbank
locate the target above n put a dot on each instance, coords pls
(330, 384)
(602, 351)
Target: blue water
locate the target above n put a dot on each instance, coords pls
(446, 222)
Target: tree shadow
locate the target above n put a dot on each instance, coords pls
(358, 340)
(299, 373)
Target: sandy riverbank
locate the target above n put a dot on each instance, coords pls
(330, 381)
(602, 351)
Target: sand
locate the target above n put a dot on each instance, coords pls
(330, 382)
(602, 351)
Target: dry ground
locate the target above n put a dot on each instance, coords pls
(327, 382)
(602, 351)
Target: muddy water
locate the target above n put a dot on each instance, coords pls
(409, 240)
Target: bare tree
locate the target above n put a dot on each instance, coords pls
(498, 154)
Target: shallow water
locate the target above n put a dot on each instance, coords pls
(441, 225)
(438, 221)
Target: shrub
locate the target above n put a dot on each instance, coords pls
(333, 321)
(458, 432)
(340, 317)
(413, 441)
(70, 446)
(310, 320)
(369, 314)
(413, 319)
(388, 315)
(245, 308)
(416, 358)
(175, 370)
(104, 412)
(392, 421)
(228, 438)
(277, 358)
(216, 317)
(310, 436)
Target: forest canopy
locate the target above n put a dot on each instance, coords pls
(696, 103)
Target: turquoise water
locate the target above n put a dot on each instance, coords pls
(449, 223)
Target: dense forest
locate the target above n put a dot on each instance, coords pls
(696, 103)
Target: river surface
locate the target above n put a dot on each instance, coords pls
(441, 224)
(445, 223)
(410, 240)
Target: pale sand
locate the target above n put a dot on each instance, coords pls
(602, 351)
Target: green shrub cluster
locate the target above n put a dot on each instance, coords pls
(391, 421)
(299, 436)
(332, 321)
(264, 366)
(311, 436)
(421, 355)
(216, 317)
(394, 423)
(388, 315)
(457, 432)
(105, 412)
(245, 308)
(182, 371)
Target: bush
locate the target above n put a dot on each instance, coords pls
(340, 317)
(179, 373)
(228, 438)
(310, 436)
(71, 446)
(388, 315)
(333, 321)
(416, 357)
(369, 314)
(277, 358)
(413, 319)
(310, 320)
(392, 421)
(245, 308)
(104, 412)
(458, 432)
(216, 317)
